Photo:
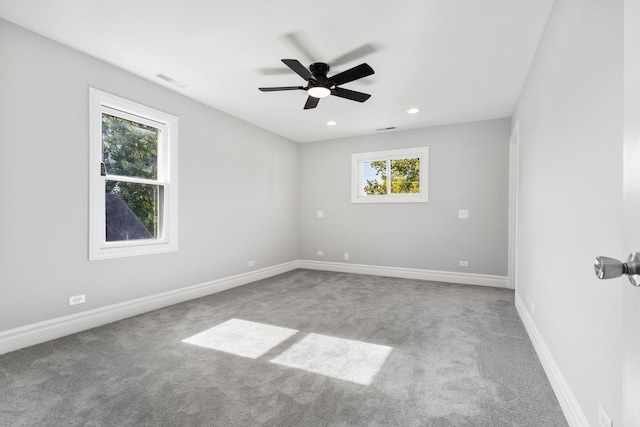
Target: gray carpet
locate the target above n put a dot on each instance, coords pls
(459, 356)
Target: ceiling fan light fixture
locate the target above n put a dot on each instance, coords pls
(319, 91)
(320, 86)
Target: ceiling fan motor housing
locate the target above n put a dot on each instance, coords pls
(319, 71)
(320, 86)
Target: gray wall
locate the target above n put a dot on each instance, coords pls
(468, 170)
(238, 188)
(570, 116)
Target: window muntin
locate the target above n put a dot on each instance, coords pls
(130, 157)
(390, 176)
(133, 178)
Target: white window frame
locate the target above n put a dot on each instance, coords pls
(357, 186)
(102, 102)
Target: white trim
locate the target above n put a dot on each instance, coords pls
(37, 333)
(568, 402)
(168, 126)
(514, 160)
(357, 159)
(408, 273)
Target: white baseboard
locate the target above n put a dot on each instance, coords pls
(568, 402)
(37, 333)
(40, 332)
(408, 273)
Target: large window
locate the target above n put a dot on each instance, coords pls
(133, 178)
(390, 176)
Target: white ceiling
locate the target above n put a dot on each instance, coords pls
(456, 60)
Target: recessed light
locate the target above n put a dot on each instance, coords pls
(413, 111)
(331, 123)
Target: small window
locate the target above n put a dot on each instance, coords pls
(391, 176)
(133, 178)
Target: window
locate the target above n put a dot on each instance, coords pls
(390, 176)
(133, 178)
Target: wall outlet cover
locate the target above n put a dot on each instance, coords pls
(77, 299)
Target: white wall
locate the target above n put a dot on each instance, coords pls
(468, 169)
(238, 200)
(238, 188)
(570, 118)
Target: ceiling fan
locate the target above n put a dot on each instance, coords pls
(319, 85)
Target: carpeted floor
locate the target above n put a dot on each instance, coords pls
(306, 348)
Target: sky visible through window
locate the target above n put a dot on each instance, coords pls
(369, 173)
(392, 176)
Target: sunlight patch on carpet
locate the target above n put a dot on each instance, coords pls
(242, 338)
(340, 358)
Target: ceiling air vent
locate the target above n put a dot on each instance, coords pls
(170, 80)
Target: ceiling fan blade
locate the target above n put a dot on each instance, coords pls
(355, 73)
(303, 44)
(354, 54)
(350, 94)
(296, 66)
(275, 71)
(274, 89)
(311, 102)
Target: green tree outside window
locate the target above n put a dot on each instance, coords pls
(131, 149)
(405, 177)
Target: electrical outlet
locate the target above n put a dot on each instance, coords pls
(346, 256)
(463, 214)
(320, 214)
(320, 253)
(603, 418)
(251, 263)
(463, 263)
(78, 299)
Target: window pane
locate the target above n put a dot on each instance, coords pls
(129, 148)
(374, 173)
(405, 176)
(132, 211)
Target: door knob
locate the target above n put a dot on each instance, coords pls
(610, 268)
